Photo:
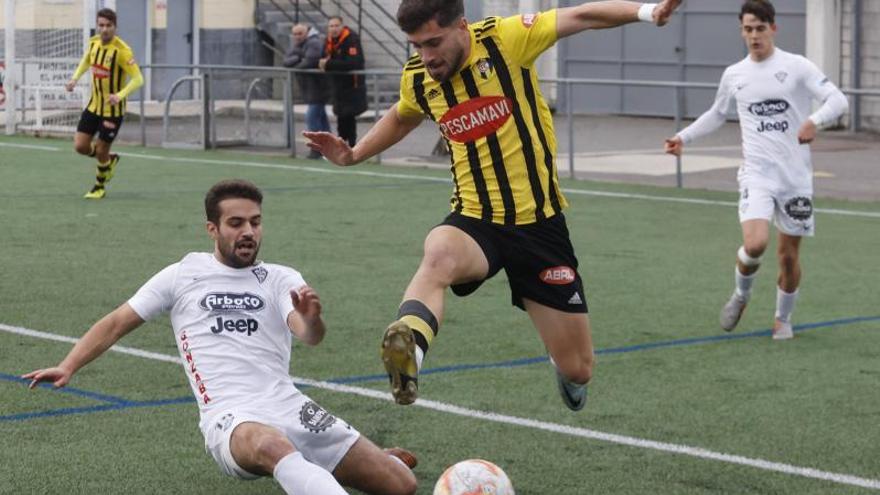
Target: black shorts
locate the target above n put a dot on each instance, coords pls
(105, 127)
(538, 258)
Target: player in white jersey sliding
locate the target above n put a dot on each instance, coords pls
(234, 318)
(773, 91)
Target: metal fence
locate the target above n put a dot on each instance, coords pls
(216, 106)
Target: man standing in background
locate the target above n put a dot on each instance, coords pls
(344, 53)
(306, 52)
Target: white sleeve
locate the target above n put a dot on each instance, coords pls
(834, 102)
(291, 279)
(713, 118)
(157, 295)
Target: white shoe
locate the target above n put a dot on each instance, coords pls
(732, 312)
(782, 330)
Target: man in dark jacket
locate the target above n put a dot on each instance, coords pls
(306, 52)
(344, 53)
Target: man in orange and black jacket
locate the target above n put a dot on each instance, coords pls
(344, 53)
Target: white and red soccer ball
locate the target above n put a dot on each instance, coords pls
(473, 477)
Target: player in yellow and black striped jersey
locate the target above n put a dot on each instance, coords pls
(115, 75)
(478, 83)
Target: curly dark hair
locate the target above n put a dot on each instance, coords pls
(413, 13)
(234, 188)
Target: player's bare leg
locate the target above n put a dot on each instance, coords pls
(370, 469)
(756, 235)
(263, 450)
(82, 144)
(450, 257)
(788, 254)
(569, 343)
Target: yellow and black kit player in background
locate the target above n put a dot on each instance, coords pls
(111, 62)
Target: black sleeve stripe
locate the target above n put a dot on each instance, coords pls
(419, 89)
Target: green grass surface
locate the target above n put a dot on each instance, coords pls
(655, 271)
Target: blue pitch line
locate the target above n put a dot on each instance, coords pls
(614, 350)
(70, 390)
(117, 403)
(111, 402)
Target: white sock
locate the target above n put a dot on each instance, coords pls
(744, 284)
(785, 304)
(420, 355)
(297, 476)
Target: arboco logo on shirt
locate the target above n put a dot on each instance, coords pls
(767, 108)
(100, 71)
(558, 275)
(475, 118)
(315, 418)
(231, 301)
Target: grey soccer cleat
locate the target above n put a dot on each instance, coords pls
(574, 395)
(732, 312)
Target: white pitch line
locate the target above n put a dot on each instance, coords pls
(574, 431)
(349, 171)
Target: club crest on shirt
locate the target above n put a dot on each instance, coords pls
(528, 20)
(484, 68)
(781, 75)
(261, 274)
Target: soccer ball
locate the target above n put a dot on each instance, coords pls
(473, 477)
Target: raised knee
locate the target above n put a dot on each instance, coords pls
(439, 261)
(755, 249)
(82, 149)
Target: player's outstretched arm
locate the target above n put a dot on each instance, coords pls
(390, 129)
(98, 339)
(612, 13)
(305, 320)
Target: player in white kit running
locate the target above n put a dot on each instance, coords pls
(234, 319)
(773, 91)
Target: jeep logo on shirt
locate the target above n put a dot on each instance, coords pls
(231, 301)
(241, 325)
(766, 126)
(767, 108)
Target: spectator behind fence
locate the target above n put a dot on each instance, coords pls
(344, 53)
(306, 52)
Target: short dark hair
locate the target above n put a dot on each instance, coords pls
(762, 9)
(107, 14)
(338, 17)
(226, 189)
(413, 13)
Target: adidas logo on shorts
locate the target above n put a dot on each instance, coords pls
(575, 299)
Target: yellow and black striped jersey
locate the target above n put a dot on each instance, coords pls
(495, 121)
(109, 63)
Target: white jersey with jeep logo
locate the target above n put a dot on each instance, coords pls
(230, 325)
(773, 99)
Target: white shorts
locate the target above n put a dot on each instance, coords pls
(791, 213)
(322, 438)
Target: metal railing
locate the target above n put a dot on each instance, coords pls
(250, 76)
